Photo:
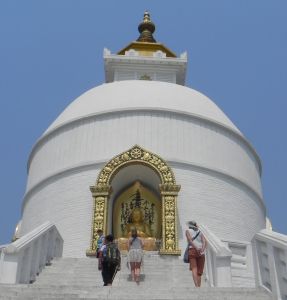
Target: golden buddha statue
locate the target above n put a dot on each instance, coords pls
(137, 196)
(137, 222)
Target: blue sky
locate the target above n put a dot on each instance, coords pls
(51, 52)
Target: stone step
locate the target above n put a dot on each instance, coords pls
(139, 292)
(39, 297)
(161, 279)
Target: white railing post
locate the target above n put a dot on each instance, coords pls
(256, 262)
(51, 246)
(270, 254)
(58, 248)
(35, 266)
(218, 260)
(43, 251)
(223, 267)
(209, 267)
(9, 270)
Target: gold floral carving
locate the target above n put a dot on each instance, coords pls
(168, 189)
(99, 221)
(136, 155)
(170, 238)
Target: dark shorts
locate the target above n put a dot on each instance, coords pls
(196, 261)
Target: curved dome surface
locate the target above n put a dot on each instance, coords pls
(139, 95)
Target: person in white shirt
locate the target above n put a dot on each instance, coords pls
(196, 252)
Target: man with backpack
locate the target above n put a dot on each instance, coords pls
(109, 260)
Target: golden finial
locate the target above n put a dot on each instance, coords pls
(146, 29)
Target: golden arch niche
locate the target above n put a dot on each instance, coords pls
(154, 213)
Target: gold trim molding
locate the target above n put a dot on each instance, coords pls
(168, 189)
(136, 155)
(147, 49)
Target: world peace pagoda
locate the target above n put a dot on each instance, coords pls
(143, 150)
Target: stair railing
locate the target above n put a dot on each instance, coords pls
(218, 260)
(270, 255)
(22, 260)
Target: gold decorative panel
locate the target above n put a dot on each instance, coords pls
(100, 197)
(169, 216)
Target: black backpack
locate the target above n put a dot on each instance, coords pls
(112, 254)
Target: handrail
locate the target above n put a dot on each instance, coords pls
(218, 260)
(3, 246)
(22, 260)
(270, 253)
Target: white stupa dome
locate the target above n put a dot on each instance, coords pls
(140, 95)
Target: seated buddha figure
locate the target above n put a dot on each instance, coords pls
(137, 222)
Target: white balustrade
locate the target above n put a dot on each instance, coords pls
(270, 253)
(22, 260)
(242, 265)
(218, 260)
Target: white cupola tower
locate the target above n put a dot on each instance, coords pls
(145, 59)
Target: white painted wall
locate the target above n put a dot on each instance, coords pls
(170, 135)
(228, 208)
(132, 66)
(65, 201)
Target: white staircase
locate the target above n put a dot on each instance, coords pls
(162, 278)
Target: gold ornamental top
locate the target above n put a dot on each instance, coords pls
(146, 45)
(146, 29)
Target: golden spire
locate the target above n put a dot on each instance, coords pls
(146, 45)
(146, 29)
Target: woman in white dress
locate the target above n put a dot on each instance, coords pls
(135, 255)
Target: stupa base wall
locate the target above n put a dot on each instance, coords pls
(227, 207)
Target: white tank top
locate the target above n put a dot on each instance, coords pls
(198, 241)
